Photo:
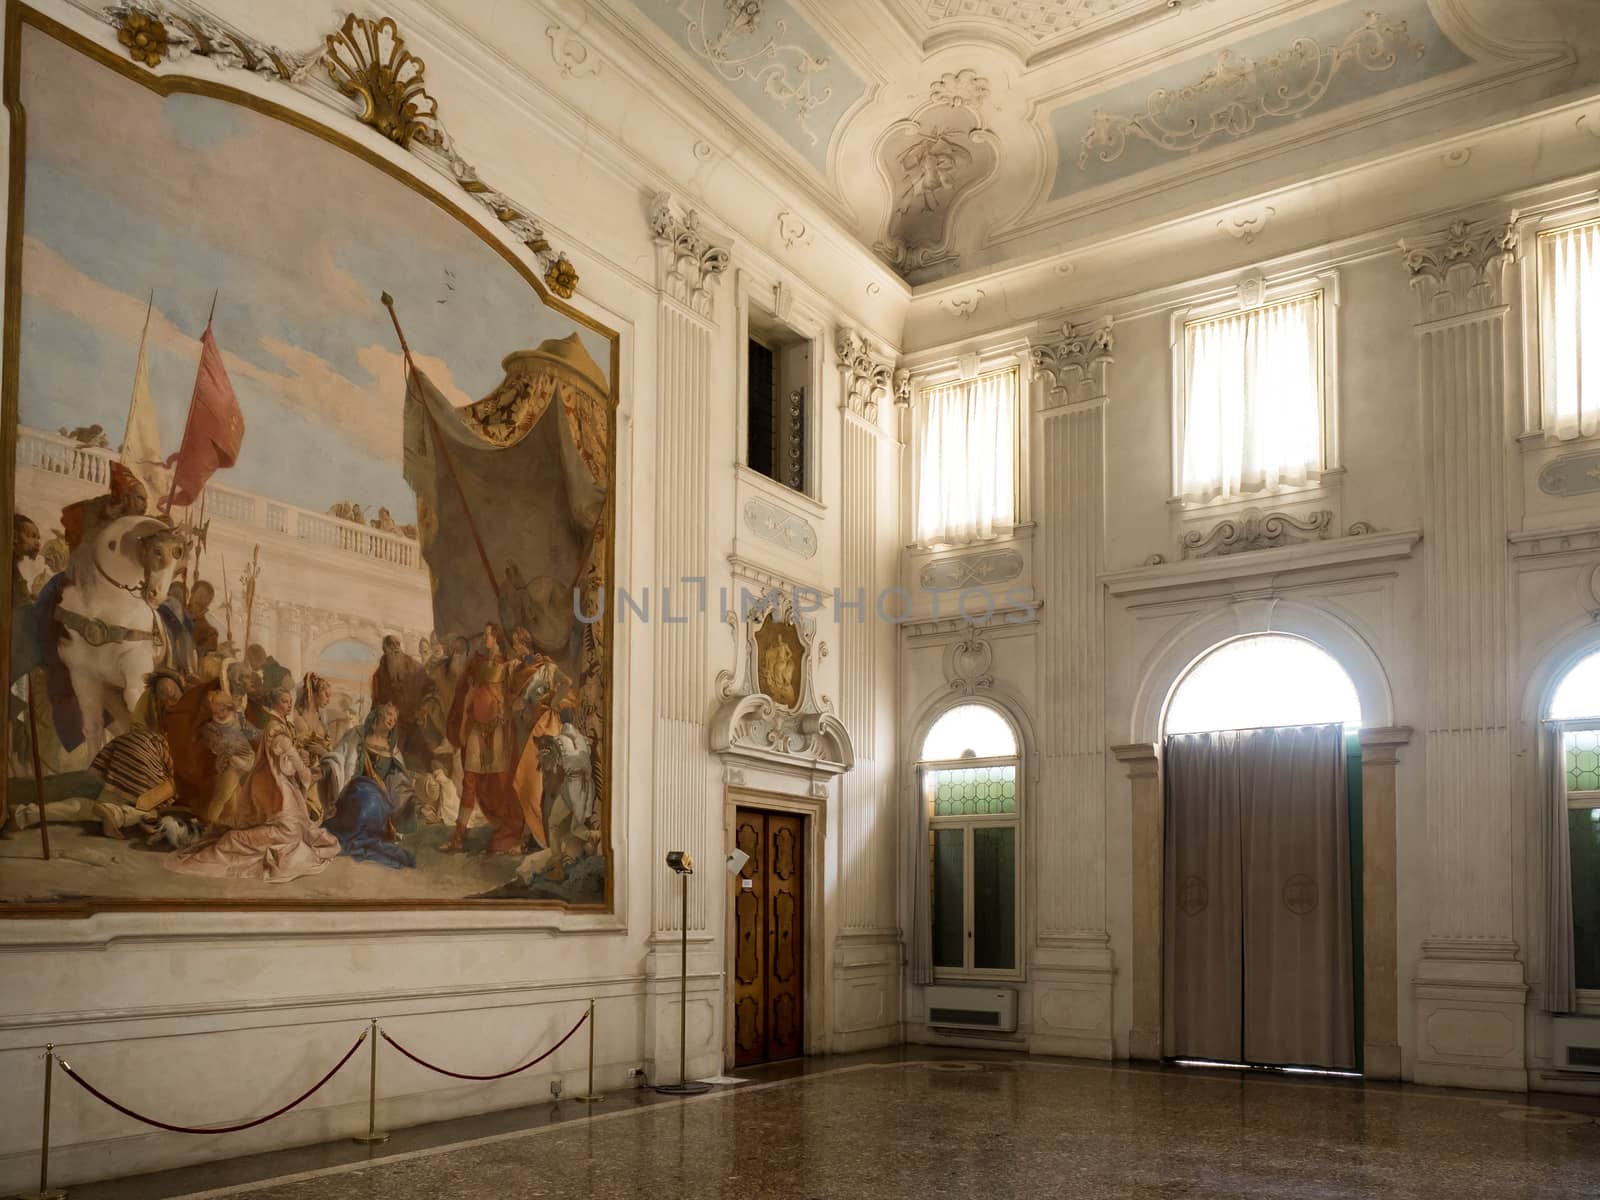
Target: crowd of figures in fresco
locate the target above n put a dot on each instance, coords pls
(158, 718)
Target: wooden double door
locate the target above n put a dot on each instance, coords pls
(769, 938)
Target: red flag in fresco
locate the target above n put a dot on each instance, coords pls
(214, 431)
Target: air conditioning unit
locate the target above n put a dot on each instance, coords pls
(988, 1010)
(1577, 1044)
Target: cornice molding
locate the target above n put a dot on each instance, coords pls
(1353, 550)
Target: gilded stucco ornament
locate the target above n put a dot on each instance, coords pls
(562, 277)
(153, 36)
(143, 35)
(367, 61)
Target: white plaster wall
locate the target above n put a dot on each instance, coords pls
(1382, 604)
(205, 1017)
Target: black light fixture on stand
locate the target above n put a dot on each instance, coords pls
(683, 864)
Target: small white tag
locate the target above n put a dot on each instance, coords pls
(748, 885)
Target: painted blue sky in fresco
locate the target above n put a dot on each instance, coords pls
(1328, 28)
(188, 196)
(760, 81)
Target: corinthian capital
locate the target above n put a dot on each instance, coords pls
(867, 378)
(1075, 367)
(1461, 269)
(689, 263)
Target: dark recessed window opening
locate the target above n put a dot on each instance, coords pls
(779, 372)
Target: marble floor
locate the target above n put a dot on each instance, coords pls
(912, 1123)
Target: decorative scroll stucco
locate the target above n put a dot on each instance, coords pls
(970, 570)
(1257, 530)
(1571, 475)
(772, 59)
(1340, 56)
(780, 527)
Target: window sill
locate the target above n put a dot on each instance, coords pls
(1326, 484)
(1017, 533)
(1539, 439)
(961, 976)
(774, 490)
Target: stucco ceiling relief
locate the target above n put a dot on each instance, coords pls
(1238, 93)
(932, 160)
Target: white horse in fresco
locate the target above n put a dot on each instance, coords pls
(112, 636)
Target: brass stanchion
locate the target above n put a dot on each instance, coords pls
(372, 1137)
(589, 1096)
(46, 1192)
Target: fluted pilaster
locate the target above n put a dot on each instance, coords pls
(689, 266)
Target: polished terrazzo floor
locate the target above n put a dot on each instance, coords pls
(1008, 1127)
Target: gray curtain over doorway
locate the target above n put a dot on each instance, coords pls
(1257, 899)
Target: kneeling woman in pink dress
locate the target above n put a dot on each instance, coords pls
(272, 836)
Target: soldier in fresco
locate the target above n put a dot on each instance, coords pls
(400, 680)
(480, 727)
(198, 606)
(127, 497)
(25, 545)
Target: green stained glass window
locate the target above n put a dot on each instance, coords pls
(975, 791)
(1583, 760)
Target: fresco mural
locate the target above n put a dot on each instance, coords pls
(307, 472)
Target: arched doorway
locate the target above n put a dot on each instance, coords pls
(1262, 953)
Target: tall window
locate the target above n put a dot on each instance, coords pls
(969, 772)
(1569, 329)
(1577, 707)
(966, 450)
(1252, 405)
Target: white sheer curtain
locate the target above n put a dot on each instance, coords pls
(1569, 270)
(1252, 414)
(966, 439)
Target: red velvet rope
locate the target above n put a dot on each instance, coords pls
(128, 1112)
(503, 1074)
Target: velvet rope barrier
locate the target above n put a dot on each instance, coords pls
(243, 1125)
(481, 1078)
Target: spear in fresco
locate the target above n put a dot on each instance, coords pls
(412, 374)
(227, 605)
(248, 579)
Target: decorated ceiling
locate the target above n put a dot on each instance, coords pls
(956, 135)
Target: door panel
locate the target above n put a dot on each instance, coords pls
(750, 942)
(785, 977)
(769, 938)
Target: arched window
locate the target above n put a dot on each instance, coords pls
(969, 770)
(1265, 680)
(1576, 706)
